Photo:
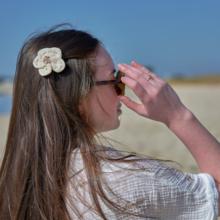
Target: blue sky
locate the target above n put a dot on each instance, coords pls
(171, 35)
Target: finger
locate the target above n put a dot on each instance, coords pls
(147, 76)
(129, 70)
(139, 108)
(134, 73)
(144, 79)
(140, 67)
(139, 90)
(143, 68)
(153, 75)
(151, 80)
(139, 72)
(135, 64)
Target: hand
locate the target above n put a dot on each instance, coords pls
(158, 100)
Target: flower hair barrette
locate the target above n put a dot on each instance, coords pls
(48, 60)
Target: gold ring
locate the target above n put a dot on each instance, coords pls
(149, 77)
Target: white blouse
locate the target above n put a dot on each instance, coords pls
(153, 190)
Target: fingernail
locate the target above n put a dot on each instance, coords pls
(121, 66)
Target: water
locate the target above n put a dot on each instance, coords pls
(5, 104)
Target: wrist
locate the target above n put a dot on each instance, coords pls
(183, 117)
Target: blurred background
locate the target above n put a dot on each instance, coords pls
(179, 40)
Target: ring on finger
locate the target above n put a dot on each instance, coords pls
(149, 77)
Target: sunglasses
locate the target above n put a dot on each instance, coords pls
(118, 84)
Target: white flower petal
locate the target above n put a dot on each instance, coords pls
(49, 54)
(38, 63)
(58, 66)
(43, 51)
(56, 51)
(46, 70)
(49, 59)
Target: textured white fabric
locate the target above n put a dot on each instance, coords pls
(152, 190)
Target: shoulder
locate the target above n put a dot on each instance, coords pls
(152, 188)
(156, 189)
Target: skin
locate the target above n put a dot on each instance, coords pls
(103, 102)
(154, 94)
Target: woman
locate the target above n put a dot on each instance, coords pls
(54, 167)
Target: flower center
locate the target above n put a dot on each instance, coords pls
(46, 59)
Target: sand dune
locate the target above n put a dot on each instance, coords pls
(152, 138)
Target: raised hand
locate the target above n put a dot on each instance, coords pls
(158, 100)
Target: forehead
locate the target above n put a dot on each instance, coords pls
(104, 65)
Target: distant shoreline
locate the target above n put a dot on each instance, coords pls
(200, 80)
(5, 104)
(6, 87)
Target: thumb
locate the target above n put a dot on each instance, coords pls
(131, 104)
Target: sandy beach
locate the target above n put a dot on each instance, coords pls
(153, 138)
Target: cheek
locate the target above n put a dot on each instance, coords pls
(108, 100)
(101, 107)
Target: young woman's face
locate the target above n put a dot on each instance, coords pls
(102, 104)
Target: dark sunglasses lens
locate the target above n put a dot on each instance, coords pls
(119, 86)
(120, 89)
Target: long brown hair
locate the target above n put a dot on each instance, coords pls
(45, 127)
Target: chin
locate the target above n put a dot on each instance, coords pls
(116, 125)
(113, 124)
(111, 127)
